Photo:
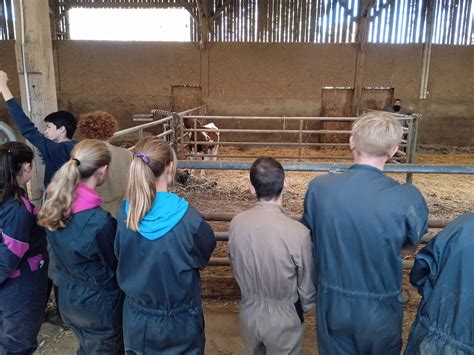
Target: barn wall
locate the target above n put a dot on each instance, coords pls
(123, 78)
(259, 79)
(8, 65)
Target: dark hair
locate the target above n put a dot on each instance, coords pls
(267, 177)
(63, 119)
(12, 157)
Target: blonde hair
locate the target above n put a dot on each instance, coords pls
(86, 157)
(151, 156)
(376, 133)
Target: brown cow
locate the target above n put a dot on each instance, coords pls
(205, 137)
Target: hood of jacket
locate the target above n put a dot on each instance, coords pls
(165, 213)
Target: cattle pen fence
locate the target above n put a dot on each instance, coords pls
(328, 134)
(173, 130)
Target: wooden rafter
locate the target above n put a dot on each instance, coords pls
(221, 8)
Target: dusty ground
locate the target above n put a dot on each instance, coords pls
(224, 191)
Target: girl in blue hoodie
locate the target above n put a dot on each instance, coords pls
(81, 237)
(161, 244)
(23, 255)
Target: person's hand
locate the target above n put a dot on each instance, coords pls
(3, 79)
(4, 90)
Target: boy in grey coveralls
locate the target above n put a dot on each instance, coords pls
(272, 259)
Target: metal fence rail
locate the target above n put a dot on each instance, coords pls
(152, 115)
(300, 133)
(329, 167)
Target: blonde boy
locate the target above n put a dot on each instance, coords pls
(360, 220)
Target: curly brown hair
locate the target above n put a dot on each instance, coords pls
(96, 125)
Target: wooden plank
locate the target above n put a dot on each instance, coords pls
(284, 20)
(235, 16)
(330, 21)
(262, 20)
(291, 20)
(291, 17)
(350, 20)
(411, 36)
(252, 21)
(465, 28)
(312, 21)
(304, 21)
(321, 22)
(378, 30)
(276, 23)
(454, 11)
(296, 22)
(278, 20)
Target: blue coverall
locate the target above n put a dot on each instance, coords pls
(360, 220)
(83, 267)
(23, 276)
(158, 269)
(444, 276)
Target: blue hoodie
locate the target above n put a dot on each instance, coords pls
(165, 212)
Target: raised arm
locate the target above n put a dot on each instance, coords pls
(24, 124)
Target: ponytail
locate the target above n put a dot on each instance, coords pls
(86, 157)
(151, 156)
(12, 157)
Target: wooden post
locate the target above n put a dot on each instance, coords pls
(426, 58)
(35, 67)
(10, 24)
(203, 15)
(362, 32)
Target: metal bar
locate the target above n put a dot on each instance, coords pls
(407, 264)
(300, 139)
(294, 131)
(227, 217)
(282, 144)
(195, 137)
(271, 143)
(141, 127)
(328, 157)
(330, 167)
(289, 118)
(165, 133)
(152, 124)
(224, 236)
(274, 156)
(181, 137)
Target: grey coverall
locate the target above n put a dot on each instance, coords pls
(272, 260)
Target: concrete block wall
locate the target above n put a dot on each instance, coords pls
(258, 79)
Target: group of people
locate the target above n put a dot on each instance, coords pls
(125, 253)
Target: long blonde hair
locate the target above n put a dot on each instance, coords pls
(151, 156)
(86, 157)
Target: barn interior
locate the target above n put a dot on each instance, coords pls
(283, 58)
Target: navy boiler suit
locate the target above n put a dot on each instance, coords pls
(23, 277)
(158, 269)
(360, 220)
(83, 267)
(443, 275)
